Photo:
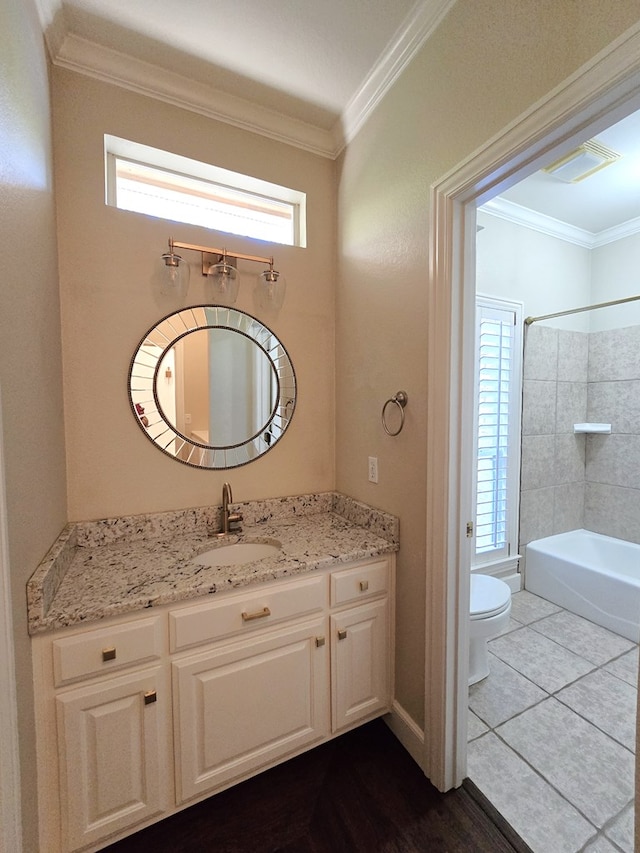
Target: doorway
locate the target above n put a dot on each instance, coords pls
(552, 728)
(606, 92)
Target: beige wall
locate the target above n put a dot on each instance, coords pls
(30, 364)
(613, 277)
(487, 62)
(108, 259)
(545, 273)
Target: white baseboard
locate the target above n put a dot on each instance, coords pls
(514, 581)
(407, 731)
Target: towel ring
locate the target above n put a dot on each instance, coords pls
(400, 400)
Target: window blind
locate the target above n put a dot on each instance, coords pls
(495, 401)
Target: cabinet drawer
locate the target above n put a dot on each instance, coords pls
(360, 582)
(94, 652)
(240, 613)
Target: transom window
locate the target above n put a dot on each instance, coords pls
(156, 183)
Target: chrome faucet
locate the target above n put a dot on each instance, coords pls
(229, 518)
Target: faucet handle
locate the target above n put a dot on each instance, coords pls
(235, 518)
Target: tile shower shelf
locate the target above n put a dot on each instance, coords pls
(602, 429)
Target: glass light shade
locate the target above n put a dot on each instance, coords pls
(270, 290)
(175, 276)
(223, 281)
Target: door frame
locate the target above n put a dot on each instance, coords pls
(599, 94)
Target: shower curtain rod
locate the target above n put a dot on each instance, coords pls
(529, 320)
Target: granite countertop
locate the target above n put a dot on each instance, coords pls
(99, 569)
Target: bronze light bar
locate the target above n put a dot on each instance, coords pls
(218, 254)
(219, 266)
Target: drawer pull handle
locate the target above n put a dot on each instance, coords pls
(150, 696)
(364, 586)
(320, 641)
(259, 614)
(108, 654)
(342, 635)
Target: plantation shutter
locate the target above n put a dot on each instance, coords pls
(497, 399)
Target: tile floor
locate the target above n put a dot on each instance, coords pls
(552, 730)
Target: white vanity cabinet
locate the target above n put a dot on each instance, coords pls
(145, 715)
(114, 764)
(361, 666)
(257, 692)
(103, 719)
(248, 705)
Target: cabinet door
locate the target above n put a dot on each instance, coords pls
(242, 706)
(114, 740)
(360, 671)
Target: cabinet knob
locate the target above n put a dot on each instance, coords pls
(320, 641)
(150, 696)
(342, 635)
(109, 654)
(364, 586)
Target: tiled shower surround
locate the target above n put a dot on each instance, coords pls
(571, 481)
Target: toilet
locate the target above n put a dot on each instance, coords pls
(490, 609)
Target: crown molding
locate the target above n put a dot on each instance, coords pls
(47, 12)
(519, 215)
(85, 57)
(419, 25)
(111, 66)
(618, 232)
(51, 15)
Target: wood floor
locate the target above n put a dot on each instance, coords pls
(360, 793)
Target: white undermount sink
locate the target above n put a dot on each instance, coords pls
(237, 554)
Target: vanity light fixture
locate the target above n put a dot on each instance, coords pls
(220, 268)
(176, 273)
(271, 288)
(224, 280)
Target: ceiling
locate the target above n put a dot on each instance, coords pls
(607, 201)
(305, 72)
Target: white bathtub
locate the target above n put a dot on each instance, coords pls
(594, 576)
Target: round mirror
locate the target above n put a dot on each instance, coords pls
(212, 387)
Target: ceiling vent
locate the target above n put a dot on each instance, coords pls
(583, 161)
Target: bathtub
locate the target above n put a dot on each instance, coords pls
(594, 576)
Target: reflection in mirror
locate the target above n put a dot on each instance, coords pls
(229, 387)
(212, 387)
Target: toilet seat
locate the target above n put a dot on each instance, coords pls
(489, 596)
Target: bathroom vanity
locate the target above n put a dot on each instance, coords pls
(160, 681)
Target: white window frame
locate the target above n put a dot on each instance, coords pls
(503, 561)
(191, 173)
